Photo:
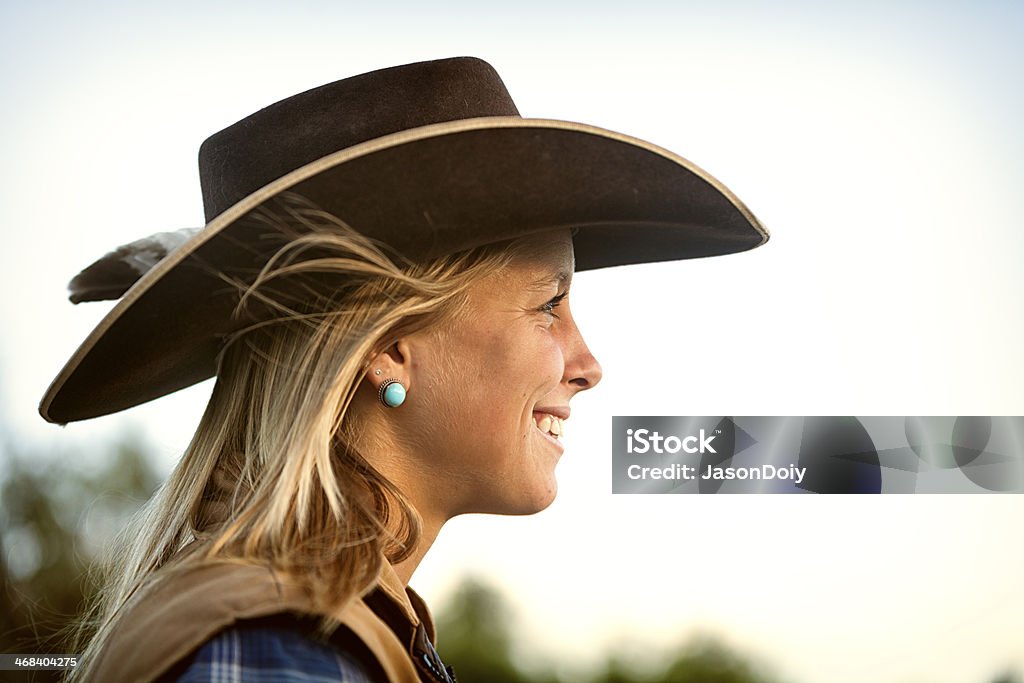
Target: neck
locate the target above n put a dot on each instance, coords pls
(430, 528)
(401, 466)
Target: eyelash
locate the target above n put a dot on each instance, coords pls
(550, 306)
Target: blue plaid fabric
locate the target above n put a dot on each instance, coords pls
(259, 653)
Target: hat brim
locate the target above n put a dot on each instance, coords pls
(426, 192)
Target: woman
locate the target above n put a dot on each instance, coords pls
(382, 291)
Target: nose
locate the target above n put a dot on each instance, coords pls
(581, 368)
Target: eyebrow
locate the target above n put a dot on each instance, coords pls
(557, 278)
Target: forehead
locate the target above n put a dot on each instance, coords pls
(539, 264)
(542, 259)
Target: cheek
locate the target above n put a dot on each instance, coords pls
(535, 362)
(551, 357)
(497, 378)
(469, 385)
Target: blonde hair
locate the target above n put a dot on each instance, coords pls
(272, 475)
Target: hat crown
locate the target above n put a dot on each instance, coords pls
(291, 133)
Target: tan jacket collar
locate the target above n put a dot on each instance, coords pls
(408, 601)
(169, 619)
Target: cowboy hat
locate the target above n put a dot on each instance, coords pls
(428, 158)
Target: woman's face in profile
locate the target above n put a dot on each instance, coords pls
(493, 391)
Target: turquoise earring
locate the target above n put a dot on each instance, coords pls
(392, 393)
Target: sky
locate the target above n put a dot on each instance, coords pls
(878, 142)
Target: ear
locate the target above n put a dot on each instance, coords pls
(395, 362)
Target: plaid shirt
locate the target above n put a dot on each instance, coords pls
(260, 653)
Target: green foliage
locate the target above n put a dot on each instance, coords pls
(56, 514)
(475, 636)
(706, 660)
(476, 639)
(1007, 677)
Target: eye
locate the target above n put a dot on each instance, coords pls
(551, 305)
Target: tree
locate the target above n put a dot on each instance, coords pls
(706, 660)
(54, 523)
(476, 637)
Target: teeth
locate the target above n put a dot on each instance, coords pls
(552, 425)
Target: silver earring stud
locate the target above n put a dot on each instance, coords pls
(391, 393)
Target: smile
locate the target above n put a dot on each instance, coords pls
(551, 425)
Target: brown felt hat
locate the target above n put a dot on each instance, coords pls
(428, 158)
